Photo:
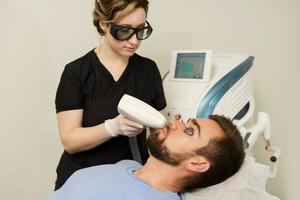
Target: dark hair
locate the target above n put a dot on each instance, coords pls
(105, 10)
(225, 154)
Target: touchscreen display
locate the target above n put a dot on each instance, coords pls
(190, 65)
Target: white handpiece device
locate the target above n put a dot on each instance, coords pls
(141, 112)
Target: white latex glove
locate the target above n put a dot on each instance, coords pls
(120, 125)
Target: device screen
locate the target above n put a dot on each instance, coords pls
(190, 65)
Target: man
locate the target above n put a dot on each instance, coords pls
(199, 153)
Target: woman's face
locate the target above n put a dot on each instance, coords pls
(126, 48)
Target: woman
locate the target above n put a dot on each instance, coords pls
(91, 130)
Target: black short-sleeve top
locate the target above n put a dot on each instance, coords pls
(86, 84)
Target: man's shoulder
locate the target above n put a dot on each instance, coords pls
(108, 167)
(128, 163)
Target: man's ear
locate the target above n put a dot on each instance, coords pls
(197, 164)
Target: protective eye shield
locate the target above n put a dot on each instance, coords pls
(120, 32)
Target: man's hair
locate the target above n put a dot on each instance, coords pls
(225, 154)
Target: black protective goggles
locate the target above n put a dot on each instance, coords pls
(120, 32)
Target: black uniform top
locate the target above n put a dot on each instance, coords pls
(86, 84)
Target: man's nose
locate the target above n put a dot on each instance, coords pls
(176, 122)
(177, 117)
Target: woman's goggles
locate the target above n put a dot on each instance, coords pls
(120, 32)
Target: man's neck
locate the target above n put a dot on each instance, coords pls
(159, 175)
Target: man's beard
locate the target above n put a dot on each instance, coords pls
(161, 152)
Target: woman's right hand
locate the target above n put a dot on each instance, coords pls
(120, 125)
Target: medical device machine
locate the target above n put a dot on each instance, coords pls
(218, 84)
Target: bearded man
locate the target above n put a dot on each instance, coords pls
(184, 156)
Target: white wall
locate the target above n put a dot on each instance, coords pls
(39, 37)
